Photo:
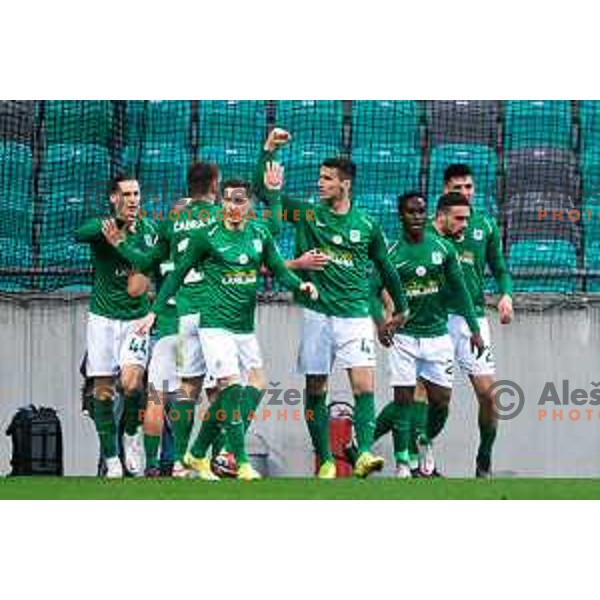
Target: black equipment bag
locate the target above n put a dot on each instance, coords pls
(37, 445)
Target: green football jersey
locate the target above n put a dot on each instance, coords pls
(480, 246)
(430, 273)
(166, 319)
(193, 216)
(191, 296)
(111, 270)
(174, 236)
(354, 243)
(230, 260)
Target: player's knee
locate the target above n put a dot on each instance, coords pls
(420, 392)
(104, 390)
(132, 381)
(403, 395)
(441, 397)
(316, 385)
(191, 387)
(485, 389)
(153, 422)
(257, 379)
(133, 388)
(362, 380)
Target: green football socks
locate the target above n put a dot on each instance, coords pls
(364, 421)
(317, 421)
(106, 426)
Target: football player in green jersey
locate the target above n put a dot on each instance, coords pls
(478, 245)
(164, 385)
(194, 213)
(430, 272)
(177, 363)
(336, 328)
(230, 253)
(111, 340)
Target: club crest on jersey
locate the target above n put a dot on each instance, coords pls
(258, 245)
(478, 234)
(421, 271)
(243, 259)
(436, 258)
(150, 239)
(355, 236)
(337, 239)
(167, 267)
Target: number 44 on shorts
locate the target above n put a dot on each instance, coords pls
(366, 346)
(138, 345)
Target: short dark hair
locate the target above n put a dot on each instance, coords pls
(457, 170)
(200, 175)
(345, 167)
(117, 179)
(237, 183)
(404, 198)
(449, 200)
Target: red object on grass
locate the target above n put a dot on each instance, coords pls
(340, 437)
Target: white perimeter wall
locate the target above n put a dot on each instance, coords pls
(42, 344)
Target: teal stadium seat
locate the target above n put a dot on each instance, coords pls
(591, 237)
(591, 226)
(311, 121)
(462, 122)
(16, 191)
(64, 261)
(592, 262)
(590, 148)
(383, 208)
(385, 123)
(159, 121)
(74, 183)
(15, 254)
(16, 174)
(386, 170)
(483, 162)
(77, 121)
(537, 123)
(162, 171)
(18, 120)
(235, 162)
(538, 257)
(17, 217)
(589, 111)
(75, 168)
(590, 173)
(65, 252)
(63, 214)
(79, 288)
(232, 123)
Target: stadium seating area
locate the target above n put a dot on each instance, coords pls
(529, 158)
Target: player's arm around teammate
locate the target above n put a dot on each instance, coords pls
(227, 333)
(142, 260)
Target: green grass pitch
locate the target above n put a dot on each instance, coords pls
(86, 488)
